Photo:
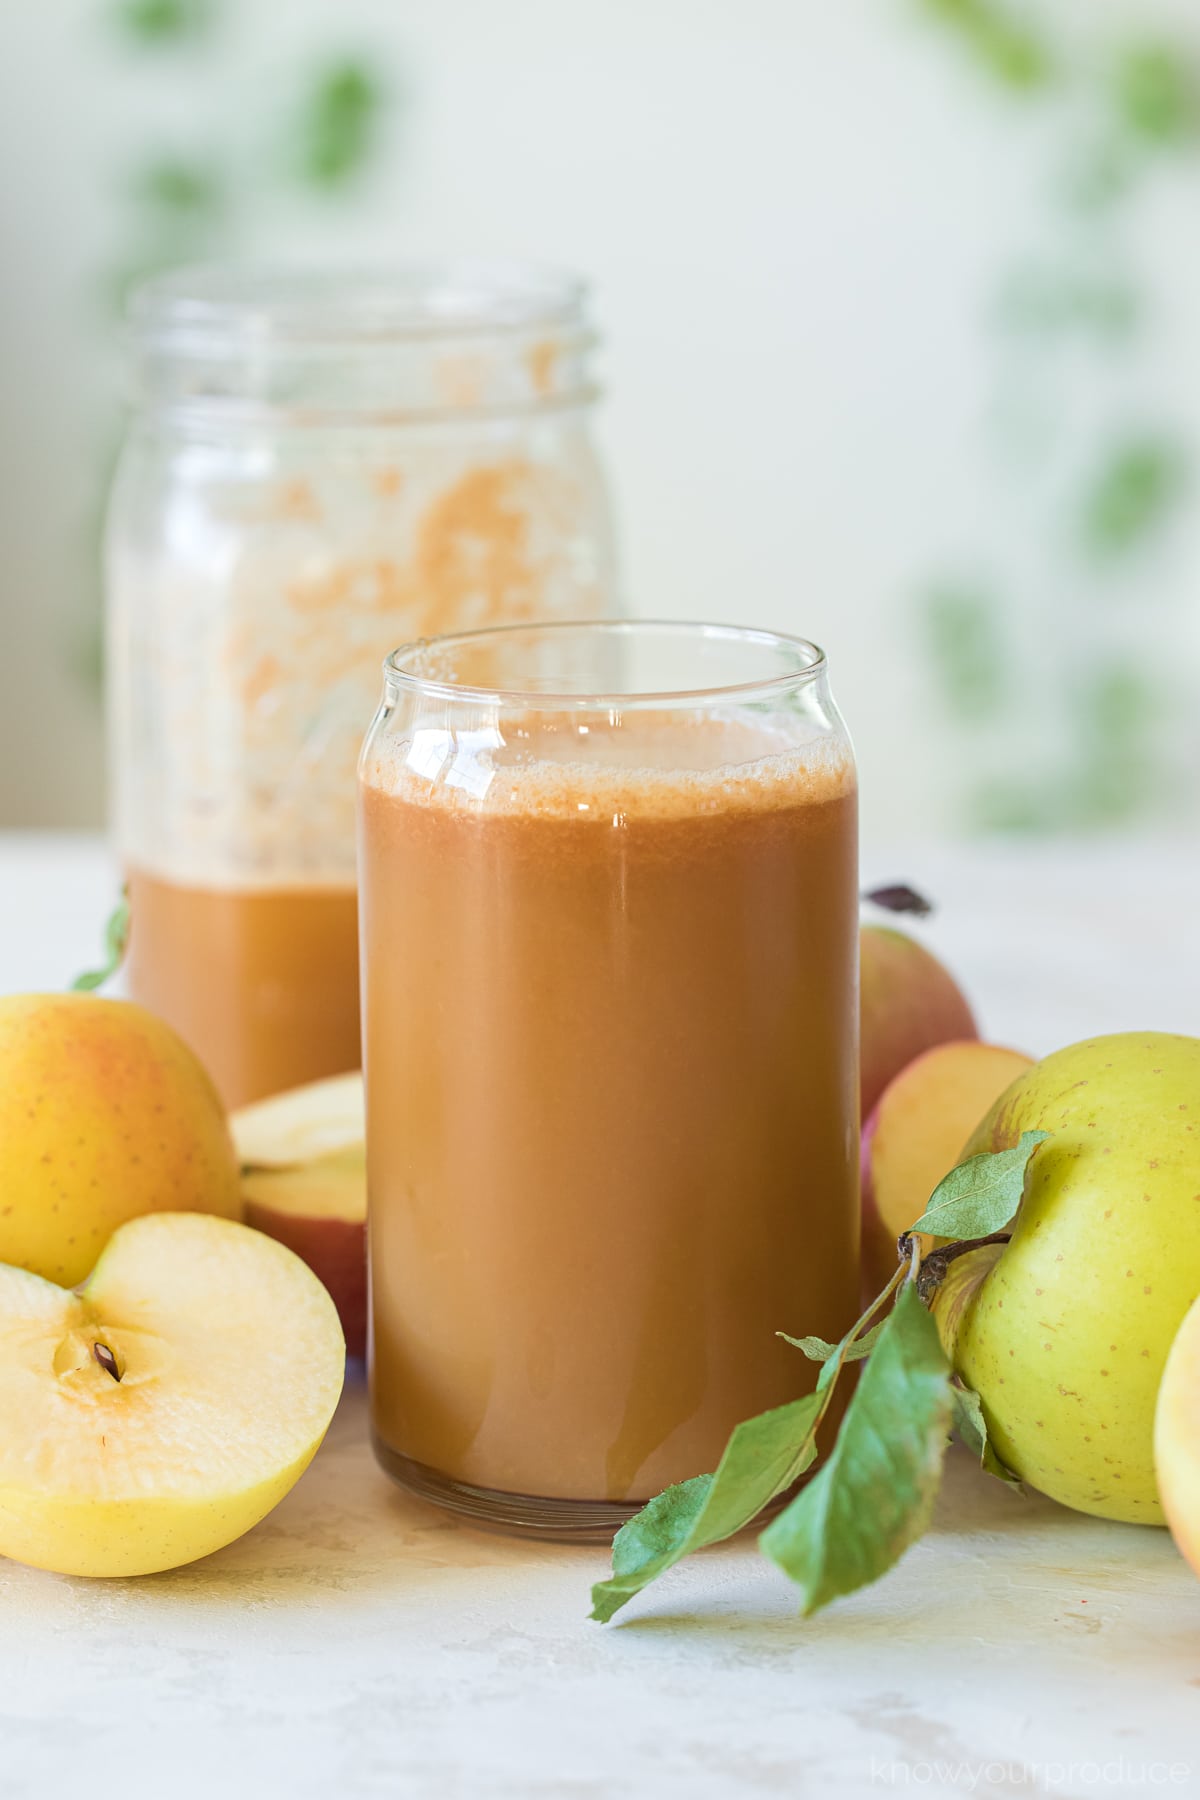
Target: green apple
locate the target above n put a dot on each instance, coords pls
(1064, 1331)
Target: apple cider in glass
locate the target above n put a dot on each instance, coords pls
(609, 925)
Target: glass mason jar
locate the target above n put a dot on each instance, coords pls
(609, 923)
(319, 467)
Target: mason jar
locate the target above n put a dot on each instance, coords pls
(319, 467)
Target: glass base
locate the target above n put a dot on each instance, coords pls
(516, 1515)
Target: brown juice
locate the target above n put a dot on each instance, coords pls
(611, 1052)
(263, 984)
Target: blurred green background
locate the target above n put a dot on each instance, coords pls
(902, 300)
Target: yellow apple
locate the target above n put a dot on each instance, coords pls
(304, 1181)
(915, 1136)
(1177, 1437)
(1064, 1331)
(164, 1410)
(908, 1003)
(105, 1114)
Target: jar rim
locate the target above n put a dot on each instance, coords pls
(196, 307)
(810, 665)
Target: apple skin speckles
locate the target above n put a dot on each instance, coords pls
(1126, 1285)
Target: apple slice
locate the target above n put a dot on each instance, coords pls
(163, 1410)
(319, 1210)
(304, 1181)
(302, 1124)
(1177, 1438)
(916, 1135)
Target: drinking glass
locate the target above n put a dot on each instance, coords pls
(609, 926)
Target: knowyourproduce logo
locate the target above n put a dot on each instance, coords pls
(941, 1775)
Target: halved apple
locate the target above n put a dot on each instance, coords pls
(1177, 1438)
(319, 1210)
(304, 1182)
(916, 1135)
(160, 1412)
(304, 1123)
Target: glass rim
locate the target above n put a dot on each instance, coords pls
(299, 307)
(398, 677)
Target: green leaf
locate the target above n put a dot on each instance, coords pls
(763, 1457)
(820, 1350)
(1157, 94)
(116, 937)
(1132, 494)
(338, 125)
(963, 629)
(156, 22)
(982, 1194)
(178, 188)
(971, 1427)
(1043, 300)
(1000, 804)
(874, 1496)
(1003, 45)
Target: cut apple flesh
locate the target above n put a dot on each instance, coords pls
(1177, 1438)
(162, 1411)
(302, 1125)
(333, 1187)
(319, 1210)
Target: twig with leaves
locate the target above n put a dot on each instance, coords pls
(874, 1496)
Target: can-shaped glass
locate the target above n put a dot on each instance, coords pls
(609, 929)
(319, 465)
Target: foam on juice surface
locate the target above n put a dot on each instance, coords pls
(557, 766)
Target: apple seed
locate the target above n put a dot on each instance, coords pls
(107, 1360)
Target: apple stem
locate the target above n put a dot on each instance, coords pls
(931, 1270)
(899, 898)
(107, 1360)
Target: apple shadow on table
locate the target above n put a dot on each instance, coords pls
(346, 1530)
(347, 1534)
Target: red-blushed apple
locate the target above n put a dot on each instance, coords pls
(916, 1134)
(164, 1409)
(1177, 1438)
(319, 1210)
(909, 1003)
(104, 1114)
(304, 1182)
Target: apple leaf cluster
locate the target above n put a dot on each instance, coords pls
(873, 1496)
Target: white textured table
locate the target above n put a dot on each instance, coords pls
(358, 1644)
